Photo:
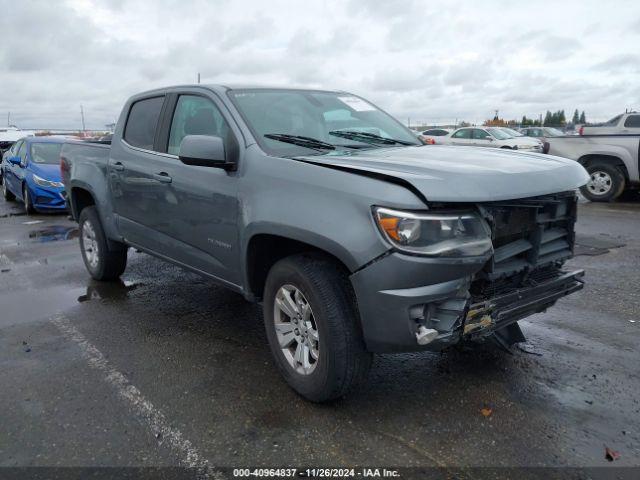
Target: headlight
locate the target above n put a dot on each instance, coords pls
(462, 234)
(46, 183)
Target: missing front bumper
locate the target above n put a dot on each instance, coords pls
(487, 316)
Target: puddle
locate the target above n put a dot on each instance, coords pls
(54, 233)
(27, 306)
(12, 214)
(108, 290)
(592, 246)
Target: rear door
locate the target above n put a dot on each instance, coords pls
(17, 171)
(9, 168)
(137, 192)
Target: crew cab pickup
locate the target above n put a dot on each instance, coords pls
(623, 124)
(354, 236)
(611, 160)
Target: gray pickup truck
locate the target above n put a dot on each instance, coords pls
(355, 236)
(612, 161)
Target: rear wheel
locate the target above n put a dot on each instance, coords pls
(5, 191)
(28, 204)
(105, 260)
(606, 182)
(312, 325)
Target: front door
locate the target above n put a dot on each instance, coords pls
(461, 137)
(206, 220)
(482, 138)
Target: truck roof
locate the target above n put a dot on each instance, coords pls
(219, 88)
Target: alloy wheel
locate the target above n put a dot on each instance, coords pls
(296, 329)
(89, 244)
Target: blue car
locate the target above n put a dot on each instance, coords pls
(31, 173)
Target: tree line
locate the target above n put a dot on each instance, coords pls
(555, 118)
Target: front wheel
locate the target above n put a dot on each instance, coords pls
(104, 260)
(28, 204)
(312, 325)
(606, 183)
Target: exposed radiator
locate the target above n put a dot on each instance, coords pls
(531, 237)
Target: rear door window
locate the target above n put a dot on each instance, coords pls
(632, 121)
(142, 123)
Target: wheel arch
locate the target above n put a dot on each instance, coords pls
(79, 198)
(590, 159)
(264, 249)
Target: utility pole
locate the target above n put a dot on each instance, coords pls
(82, 116)
(198, 77)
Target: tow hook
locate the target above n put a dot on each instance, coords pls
(426, 335)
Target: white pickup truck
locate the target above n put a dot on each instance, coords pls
(610, 158)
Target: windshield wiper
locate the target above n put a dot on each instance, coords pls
(301, 141)
(371, 138)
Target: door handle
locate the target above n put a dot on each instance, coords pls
(118, 166)
(162, 177)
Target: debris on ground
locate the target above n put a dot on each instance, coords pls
(486, 411)
(611, 455)
(528, 348)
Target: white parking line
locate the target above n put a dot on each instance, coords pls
(140, 406)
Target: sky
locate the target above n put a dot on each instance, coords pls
(429, 62)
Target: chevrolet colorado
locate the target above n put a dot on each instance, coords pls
(354, 236)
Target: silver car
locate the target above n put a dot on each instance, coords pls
(491, 137)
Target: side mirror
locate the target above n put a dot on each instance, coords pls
(14, 160)
(490, 139)
(204, 151)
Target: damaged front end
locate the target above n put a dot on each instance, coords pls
(475, 298)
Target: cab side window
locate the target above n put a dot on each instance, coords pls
(140, 130)
(466, 133)
(196, 115)
(632, 121)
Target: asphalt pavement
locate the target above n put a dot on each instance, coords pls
(168, 369)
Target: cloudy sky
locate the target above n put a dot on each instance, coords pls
(429, 61)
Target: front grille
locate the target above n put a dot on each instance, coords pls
(531, 239)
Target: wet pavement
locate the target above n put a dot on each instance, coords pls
(166, 368)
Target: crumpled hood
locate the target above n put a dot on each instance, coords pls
(465, 174)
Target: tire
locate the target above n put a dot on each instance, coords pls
(606, 182)
(104, 260)
(6, 193)
(26, 198)
(342, 360)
